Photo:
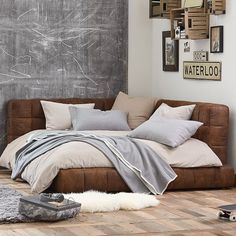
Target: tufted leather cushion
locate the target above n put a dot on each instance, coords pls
(26, 115)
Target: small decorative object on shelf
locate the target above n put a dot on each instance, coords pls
(161, 8)
(216, 41)
(189, 23)
(216, 7)
(177, 23)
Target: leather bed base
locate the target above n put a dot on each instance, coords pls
(107, 179)
(26, 115)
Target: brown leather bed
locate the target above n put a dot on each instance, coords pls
(27, 115)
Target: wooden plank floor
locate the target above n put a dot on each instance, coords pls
(180, 213)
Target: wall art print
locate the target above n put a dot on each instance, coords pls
(216, 40)
(170, 52)
(61, 48)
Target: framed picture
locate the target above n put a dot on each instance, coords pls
(193, 3)
(170, 52)
(216, 42)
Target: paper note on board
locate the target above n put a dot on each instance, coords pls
(193, 3)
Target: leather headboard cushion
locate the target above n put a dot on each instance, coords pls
(27, 115)
(24, 116)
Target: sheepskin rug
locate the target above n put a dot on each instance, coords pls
(94, 201)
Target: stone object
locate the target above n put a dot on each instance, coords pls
(33, 208)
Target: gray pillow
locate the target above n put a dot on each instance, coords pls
(94, 119)
(171, 132)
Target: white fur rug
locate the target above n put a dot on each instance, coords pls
(93, 201)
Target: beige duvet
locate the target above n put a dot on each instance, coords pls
(41, 172)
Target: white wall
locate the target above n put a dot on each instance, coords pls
(172, 85)
(140, 48)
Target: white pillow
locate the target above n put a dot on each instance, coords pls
(171, 132)
(58, 116)
(181, 112)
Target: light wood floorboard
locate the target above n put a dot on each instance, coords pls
(181, 213)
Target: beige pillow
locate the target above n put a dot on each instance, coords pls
(181, 112)
(58, 116)
(139, 108)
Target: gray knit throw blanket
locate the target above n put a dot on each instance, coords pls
(9, 200)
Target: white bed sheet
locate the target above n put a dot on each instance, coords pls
(41, 172)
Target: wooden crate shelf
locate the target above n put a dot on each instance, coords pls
(189, 23)
(196, 23)
(167, 6)
(154, 9)
(216, 7)
(162, 8)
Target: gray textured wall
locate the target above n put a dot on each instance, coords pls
(61, 48)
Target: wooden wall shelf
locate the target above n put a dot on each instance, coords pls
(162, 8)
(189, 23)
(216, 7)
(196, 23)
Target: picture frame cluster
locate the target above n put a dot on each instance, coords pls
(170, 47)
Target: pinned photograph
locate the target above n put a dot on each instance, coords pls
(187, 46)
